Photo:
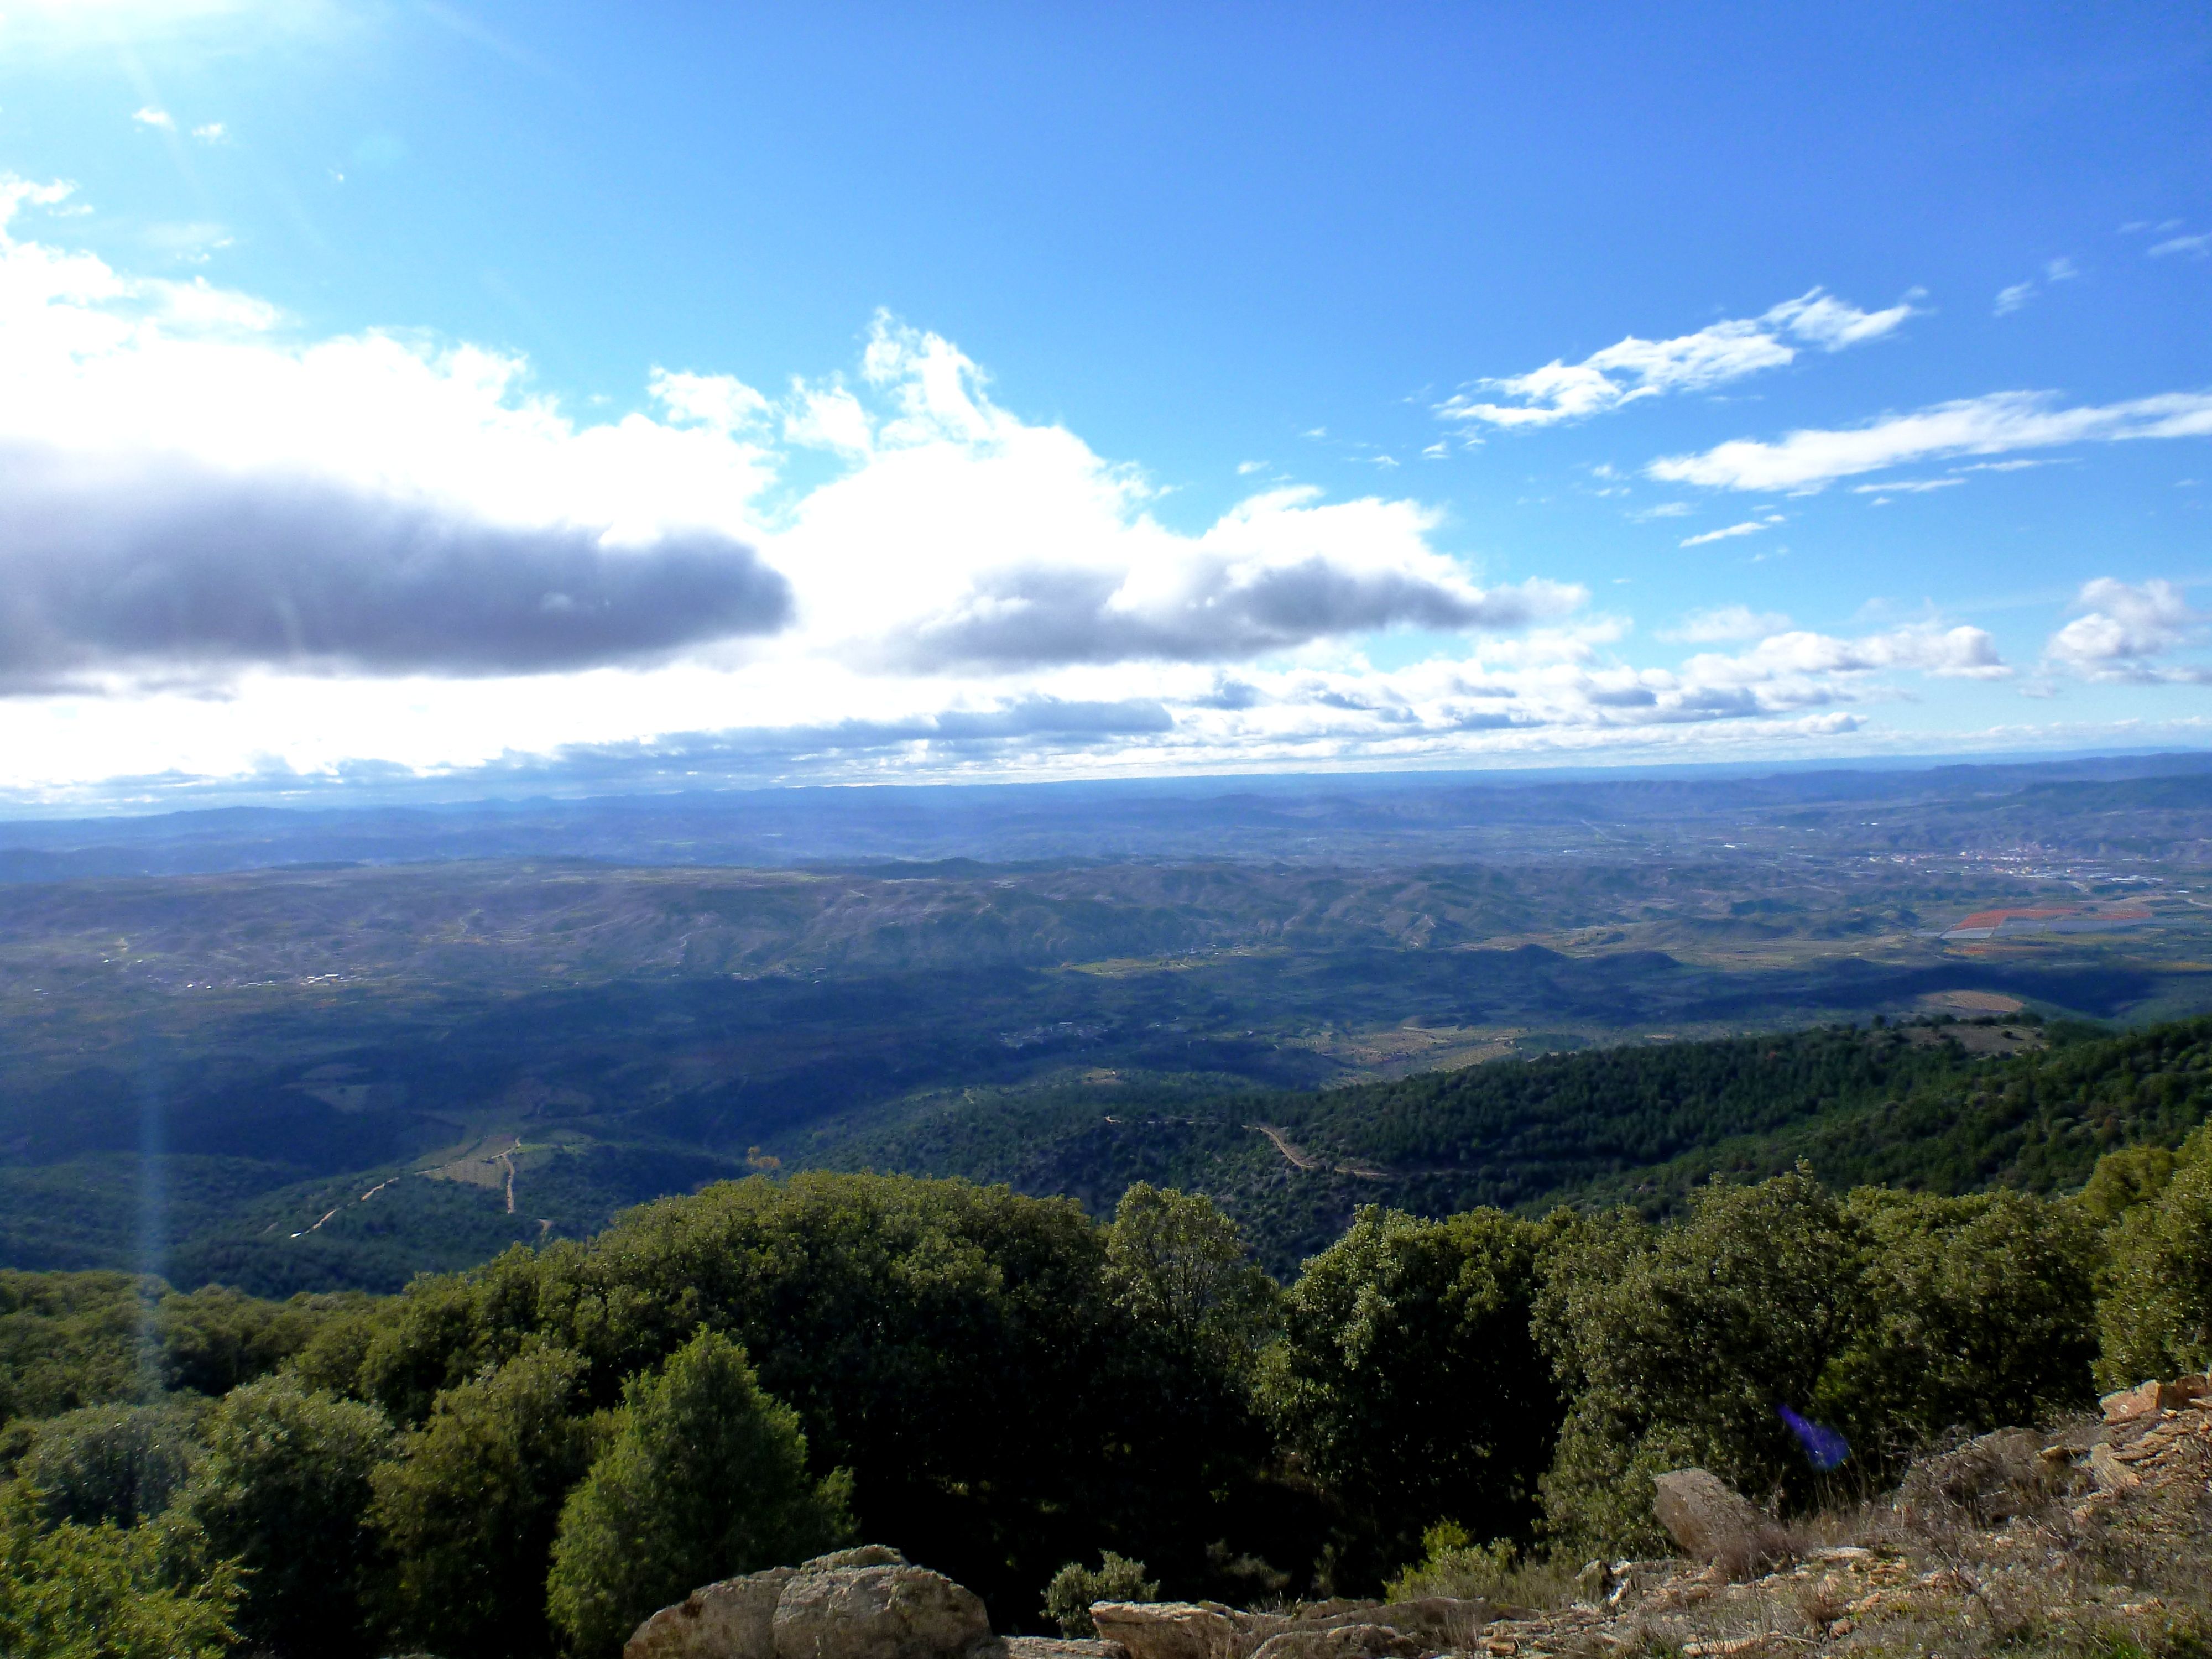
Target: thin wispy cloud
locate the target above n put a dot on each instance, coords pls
(2193, 247)
(2012, 299)
(1727, 624)
(1750, 527)
(1812, 459)
(1637, 368)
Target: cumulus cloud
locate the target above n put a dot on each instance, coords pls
(1277, 571)
(184, 486)
(390, 551)
(2122, 632)
(1635, 368)
(1812, 459)
(150, 115)
(177, 568)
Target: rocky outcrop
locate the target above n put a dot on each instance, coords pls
(2149, 1400)
(733, 1620)
(1711, 1522)
(865, 1603)
(2154, 1436)
(1331, 1629)
(1365, 1640)
(877, 1612)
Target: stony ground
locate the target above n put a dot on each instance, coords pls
(2094, 1540)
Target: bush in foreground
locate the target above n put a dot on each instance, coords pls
(1068, 1597)
(706, 1478)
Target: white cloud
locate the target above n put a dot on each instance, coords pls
(1906, 487)
(1726, 625)
(212, 132)
(2012, 299)
(1664, 510)
(1635, 368)
(1812, 459)
(2195, 247)
(1246, 469)
(148, 115)
(1750, 527)
(958, 533)
(721, 402)
(1791, 659)
(2124, 630)
(383, 549)
(193, 242)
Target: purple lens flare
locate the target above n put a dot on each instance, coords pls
(1825, 1449)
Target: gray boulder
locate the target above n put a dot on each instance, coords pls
(877, 1611)
(1709, 1521)
(733, 1620)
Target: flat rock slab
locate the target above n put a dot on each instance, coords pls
(2150, 1399)
(1175, 1630)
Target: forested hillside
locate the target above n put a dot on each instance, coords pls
(525, 1459)
(1938, 1107)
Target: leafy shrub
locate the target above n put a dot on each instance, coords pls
(1455, 1566)
(75, 1592)
(119, 1463)
(1975, 1313)
(469, 1507)
(958, 1348)
(1408, 1385)
(214, 1340)
(71, 1339)
(284, 1490)
(2156, 1314)
(1676, 1344)
(1068, 1597)
(705, 1478)
(1181, 1269)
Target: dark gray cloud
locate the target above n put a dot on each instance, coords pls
(1053, 723)
(166, 571)
(1038, 616)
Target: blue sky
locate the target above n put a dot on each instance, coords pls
(834, 392)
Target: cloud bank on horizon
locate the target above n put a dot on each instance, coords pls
(229, 550)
